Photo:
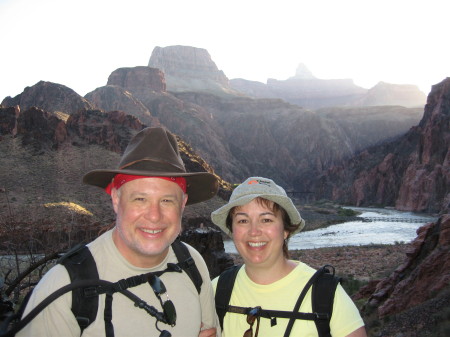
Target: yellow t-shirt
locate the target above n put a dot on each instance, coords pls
(282, 295)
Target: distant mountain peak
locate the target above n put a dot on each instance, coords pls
(303, 73)
(188, 69)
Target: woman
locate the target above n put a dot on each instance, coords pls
(260, 218)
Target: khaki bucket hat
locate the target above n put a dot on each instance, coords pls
(252, 188)
(154, 152)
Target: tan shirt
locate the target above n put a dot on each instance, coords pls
(58, 320)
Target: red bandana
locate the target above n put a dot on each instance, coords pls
(121, 179)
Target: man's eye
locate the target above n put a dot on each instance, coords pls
(267, 220)
(242, 221)
(139, 199)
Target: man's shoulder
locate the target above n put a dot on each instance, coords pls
(55, 278)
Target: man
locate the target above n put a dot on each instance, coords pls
(149, 191)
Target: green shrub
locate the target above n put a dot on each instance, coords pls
(346, 212)
(352, 285)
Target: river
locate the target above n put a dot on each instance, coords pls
(380, 226)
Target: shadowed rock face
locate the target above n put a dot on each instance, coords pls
(8, 120)
(50, 97)
(139, 80)
(209, 244)
(301, 149)
(405, 172)
(239, 136)
(117, 98)
(63, 150)
(424, 274)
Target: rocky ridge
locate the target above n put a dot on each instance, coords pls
(216, 126)
(223, 129)
(305, 90)
(414, 299)
(51, 97)
(404, 172)
(62, 151)
(189, 69)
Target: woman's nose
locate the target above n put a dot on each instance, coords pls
(254, 228)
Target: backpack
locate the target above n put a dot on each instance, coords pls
(323, 284)
(86, 288)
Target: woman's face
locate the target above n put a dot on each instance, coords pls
(258, 233)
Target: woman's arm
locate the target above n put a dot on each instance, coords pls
(360, 332)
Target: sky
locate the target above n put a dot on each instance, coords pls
(79, 43)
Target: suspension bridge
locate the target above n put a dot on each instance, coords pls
(397, 219)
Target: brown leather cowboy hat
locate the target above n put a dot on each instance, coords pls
(154, 152)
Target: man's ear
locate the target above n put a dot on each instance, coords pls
(185, 199)
(115, 199)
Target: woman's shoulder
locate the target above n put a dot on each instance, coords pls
(304, 268)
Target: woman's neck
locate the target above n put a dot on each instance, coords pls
(261, 274)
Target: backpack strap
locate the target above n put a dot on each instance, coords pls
(86, 288)
(187, 263)
(224, 289)
(323, 291)
(319, 300)
(81, 265)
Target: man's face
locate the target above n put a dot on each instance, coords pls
(148, 219)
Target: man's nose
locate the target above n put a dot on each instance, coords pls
(153, 212)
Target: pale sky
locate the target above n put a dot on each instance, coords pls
(78, 43)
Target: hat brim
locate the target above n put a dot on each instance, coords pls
(220, 215)
(200, 186)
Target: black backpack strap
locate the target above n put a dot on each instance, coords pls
(187, 263)
(323, 291)
(319, 315)
(104, 286)
(81, 266)
(224, 289)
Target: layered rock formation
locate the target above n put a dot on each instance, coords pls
(417, 291)
(240, 136)
(393, 94)
(305, 90)
(209, 243)
(116, 98)
(139, 80)
(218, 128)
(366, 124)
(423, 275)
(50, 97)
(189, 69)
(46, 156)
(411, 173)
